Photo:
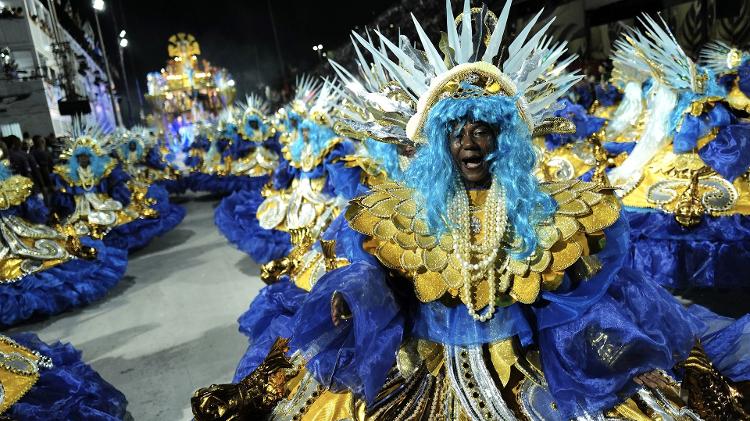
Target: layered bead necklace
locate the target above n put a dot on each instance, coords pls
(87, 178)
(485, 254)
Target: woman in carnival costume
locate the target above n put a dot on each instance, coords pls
(256, 153)
(291, 277)
(92, 195)
(143, 164)
(484, 294)
(45, 270)
(236, 215)
(313, 181)
(50, 382)
(256, 166)
(216, 172)
(684, 185)
(307, 188)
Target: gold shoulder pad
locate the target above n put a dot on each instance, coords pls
(390, 216)
(14, 190)
(583, 210)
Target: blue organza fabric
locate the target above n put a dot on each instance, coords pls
(236, 219)
(138, 233)
(586, 124)
(271, 313)
(357, 354)
(616, 148)
(216, 184)
(726, 342)
(607, 94)
(176, 186)
(70, 390)
(729, 152)
(712, 254)
(743, 77)
(693, 128)
(114, 185)
(594, 335)
(74, 283)
(269, 317)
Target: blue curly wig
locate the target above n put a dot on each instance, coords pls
(319, 137)
(512, 164)
(387, 155)
(97, 163)
(262, 127)
(125, 149)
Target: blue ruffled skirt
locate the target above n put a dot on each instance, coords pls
(712, 254)
(236, 219)
(70, 390)
(178, 186)
(74, 283)
(212, 183)
(138, 233)
(270, 316)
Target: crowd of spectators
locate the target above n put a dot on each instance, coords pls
(31, 157)
(7, 12)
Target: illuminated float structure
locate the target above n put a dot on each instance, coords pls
(187, 89)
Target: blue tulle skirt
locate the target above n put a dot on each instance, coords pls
(138, 233)
(212, 183)
(270, 316)
(70, 390)
(178, 186)
(74, 283)
(235, 217)
(712, 254)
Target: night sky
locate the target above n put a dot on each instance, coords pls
(236, 35)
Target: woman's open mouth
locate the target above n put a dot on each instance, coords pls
(472, 162)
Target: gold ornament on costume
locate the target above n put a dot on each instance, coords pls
(183, 45)
(252, 398)
(401, 240)
(19, 371)
(721, 57)
(14, 190)
(308, 161)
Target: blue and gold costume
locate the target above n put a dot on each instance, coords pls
(684, 183)
(50, 382)
(46, 270)
(504, 302)
(308, 187)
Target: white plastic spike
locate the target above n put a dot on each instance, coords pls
(493, 48)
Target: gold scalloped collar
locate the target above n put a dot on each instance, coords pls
(401, 240)
(62, 171)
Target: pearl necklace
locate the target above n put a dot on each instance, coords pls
(86, 176)
(485, 254)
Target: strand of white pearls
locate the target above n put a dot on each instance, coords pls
(496, 220)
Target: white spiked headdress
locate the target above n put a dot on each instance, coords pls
(86, 132)
(627, 66)
(325, 103)
(668, 63)
(305, 93)
(254, 105)
(720, 57)
(373, 106)
(531, 73)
